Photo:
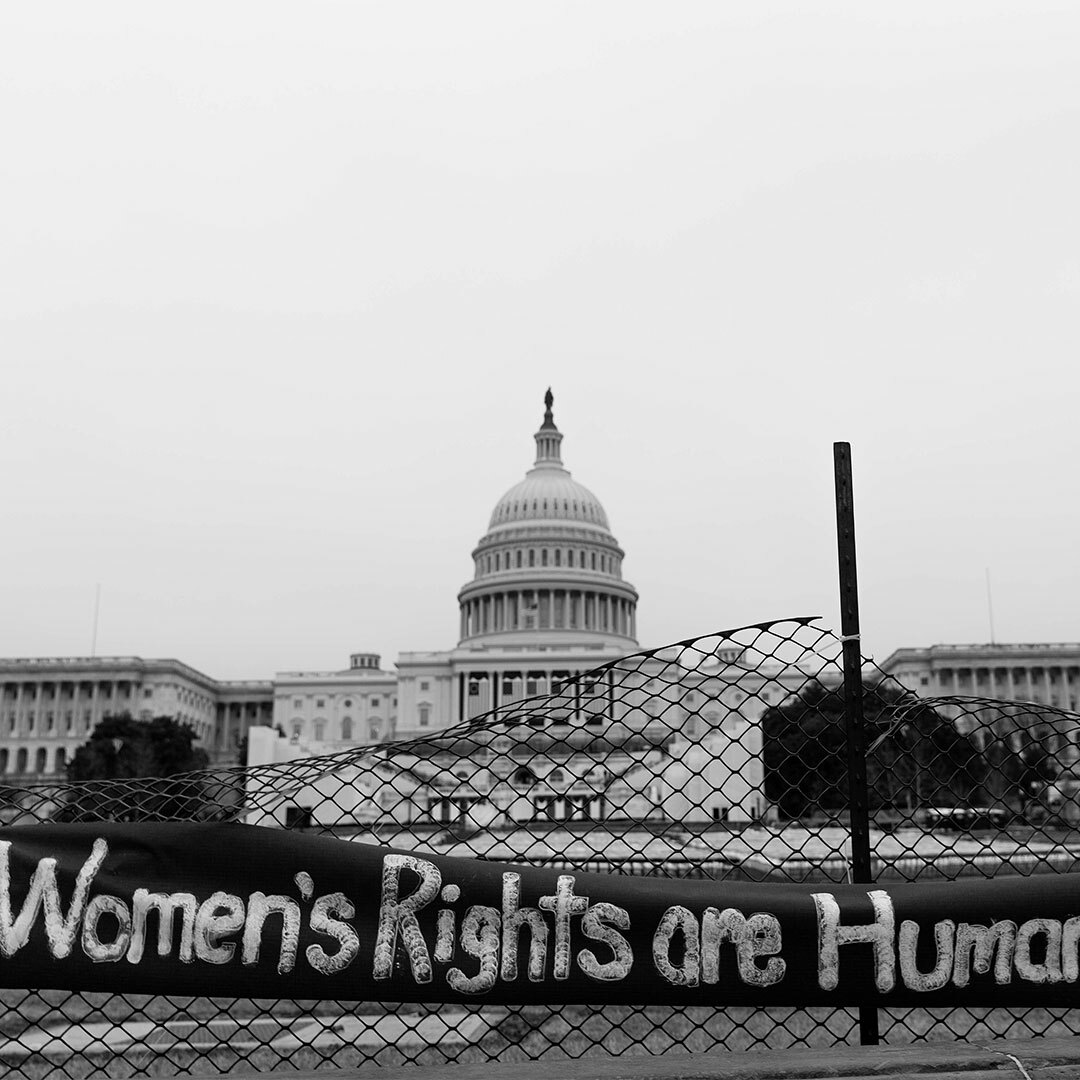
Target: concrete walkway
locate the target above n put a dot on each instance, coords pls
(1027, 1059)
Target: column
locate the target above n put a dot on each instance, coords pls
(1010, 684)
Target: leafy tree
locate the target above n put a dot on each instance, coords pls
(137, 759)
(916, 756)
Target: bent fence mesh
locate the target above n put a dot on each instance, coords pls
(719, 757)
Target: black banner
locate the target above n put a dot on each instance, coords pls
(245, 911)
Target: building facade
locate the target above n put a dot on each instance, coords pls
(49, 706)
(1043, 674)
(546, 607)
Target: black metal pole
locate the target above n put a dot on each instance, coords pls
(855, 729)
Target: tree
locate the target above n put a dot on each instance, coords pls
(915, 756)
(138, 759)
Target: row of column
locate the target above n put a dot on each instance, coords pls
(20, 761)
(28, 714)
(480, 692)
(548, 609)
(1019, 683)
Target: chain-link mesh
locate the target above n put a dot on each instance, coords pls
(721, 757)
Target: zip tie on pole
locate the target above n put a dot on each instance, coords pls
(849, 637)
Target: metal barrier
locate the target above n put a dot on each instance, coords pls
(721, 757)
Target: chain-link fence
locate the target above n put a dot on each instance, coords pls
(721, 757)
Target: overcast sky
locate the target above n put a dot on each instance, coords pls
(282, 287)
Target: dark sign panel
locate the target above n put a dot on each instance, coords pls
(237, 910)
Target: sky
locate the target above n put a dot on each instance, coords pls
(282, 287)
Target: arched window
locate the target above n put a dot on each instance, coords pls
(594, 560)
(532, 557)
(297, 729)
(556, 776)
(61, 759)
(543, 557)
(346, 727)
(4, 760)
(558, 557)
(424, 715)
(20, 760)
(320, 730)
(519, 558)
(375, 729)
(41, 759)
(581, 559)
(523, 777)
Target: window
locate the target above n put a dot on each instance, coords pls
(532, 557)
(423, 684)
(346, 727)
(50, 721)
(20, 760)
(543, 557)
(61, 759)
(556, 776)
(425, 715)
(147, 692)
(320, 730)
(320, 703)
(530, 687)
(297, 728)
(374, 701)
(41, 760)
(69, 719)
(519, 558)
(558, 557)
(348, 703)
(297, 703)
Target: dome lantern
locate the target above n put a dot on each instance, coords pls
(548, 438)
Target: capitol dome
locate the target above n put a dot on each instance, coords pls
(548, 492)
(548, 564)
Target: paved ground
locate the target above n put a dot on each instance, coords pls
(324, 1033)
(1030, 1059)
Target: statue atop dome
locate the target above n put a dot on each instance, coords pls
(549, 420)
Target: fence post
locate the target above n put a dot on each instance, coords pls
(854, 728)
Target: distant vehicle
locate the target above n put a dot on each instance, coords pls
(966, 818)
